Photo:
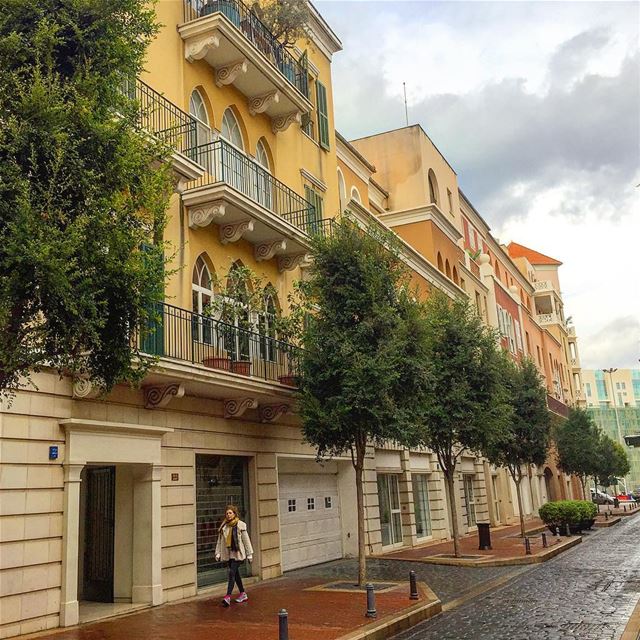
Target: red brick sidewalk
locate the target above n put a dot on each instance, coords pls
(313, 615)
(505, 541)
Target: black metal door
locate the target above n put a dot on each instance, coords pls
(99, 534)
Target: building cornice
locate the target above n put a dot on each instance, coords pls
(423, 214)
(316, 182)
(322, 34)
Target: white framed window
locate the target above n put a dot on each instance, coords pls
(262, 181)
(342, 191)
(201, 297)
(327, 502)
(198, 110)
(291, 505)
(355, 195)
(311, 504)
(230, 129)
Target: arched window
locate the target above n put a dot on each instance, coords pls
(497, 271)
(267, 327)
(455, 275)
(198, 110)
(355, 195)
(201, 296)
(230, 130)
(238, 319)
(342, 191)
(440, 265)
(433, 188)
(447, 268)
(263, 181)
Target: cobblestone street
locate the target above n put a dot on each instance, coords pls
(587, 593)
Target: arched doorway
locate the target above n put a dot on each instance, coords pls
(549, 484)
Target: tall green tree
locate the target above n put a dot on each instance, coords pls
(462, 401)
(286, 19)
(80, 189)
(612, 462)
(360, 355)
(525, 440)
(577, 442)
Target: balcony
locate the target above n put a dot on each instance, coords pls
(543, 285)
(246, 201)
(201, 356)
(549, 318)
(244, 53)
(557, 407)
(165, 122)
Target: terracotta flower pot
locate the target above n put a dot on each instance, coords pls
(289, 381)
(242, 367)
(217, 363)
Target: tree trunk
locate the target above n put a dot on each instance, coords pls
(583, 482)
(448, 474)
(518, 481)
(362, 560)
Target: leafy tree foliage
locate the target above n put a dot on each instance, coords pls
(612, 462)
(80, 189)
(360, 353)
(286, 19)
(525, 440)
(577, 443)
(462, 399)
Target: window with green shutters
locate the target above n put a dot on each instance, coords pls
(314, 215)
(323, 115)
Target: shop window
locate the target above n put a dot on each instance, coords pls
(311, 504)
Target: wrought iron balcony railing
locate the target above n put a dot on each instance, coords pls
(179, 334)
(248, 23)
(223, 163)
(161, 118)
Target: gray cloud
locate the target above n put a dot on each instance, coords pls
(615, 345)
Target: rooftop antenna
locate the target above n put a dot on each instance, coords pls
(406, 112)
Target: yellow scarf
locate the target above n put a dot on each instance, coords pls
(230, 524)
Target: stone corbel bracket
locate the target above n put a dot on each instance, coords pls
(233, 232)
(289, 263)
(159, 396)
(267, 250)
(84, 389)
(271, 412)
(198, 48)
(228, 74)
(203, 216)
(235, 407)
(282, 123)
(259, 104)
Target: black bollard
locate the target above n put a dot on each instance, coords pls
(606, 515)
(413, 586)
(624, 506)
(544, 541)
(527, 546)
(283, 625)
(371, 602)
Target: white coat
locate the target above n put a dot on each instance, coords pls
(244, 543)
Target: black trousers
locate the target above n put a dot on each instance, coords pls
(234, 576)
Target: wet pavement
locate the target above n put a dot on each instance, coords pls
(586, 593)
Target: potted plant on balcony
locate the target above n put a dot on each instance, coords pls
(228, 8)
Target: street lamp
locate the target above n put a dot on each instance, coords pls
(611, 371)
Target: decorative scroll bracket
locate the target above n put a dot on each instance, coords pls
(159, 396)
(271, 412)
(203, 216)
(233, 232)
(236, 407)
(259, 104)
(267, 250)
(228, 74)
(282, 123)
(84, 389)
(199, 48)
(289, 263)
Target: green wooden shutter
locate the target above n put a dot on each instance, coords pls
(313, 215)
(323, 117)
(153, 332)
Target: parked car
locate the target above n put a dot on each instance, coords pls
(599, 497)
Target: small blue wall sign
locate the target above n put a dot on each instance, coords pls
(53, 452)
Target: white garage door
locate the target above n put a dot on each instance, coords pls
(310, 530)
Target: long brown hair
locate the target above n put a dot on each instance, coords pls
(229, 507)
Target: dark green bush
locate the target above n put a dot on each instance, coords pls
(571, 512)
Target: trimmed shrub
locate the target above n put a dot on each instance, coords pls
(578, 514)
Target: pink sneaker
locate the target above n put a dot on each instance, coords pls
(243, 597)
(226, 601)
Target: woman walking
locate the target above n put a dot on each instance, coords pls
(233, 546)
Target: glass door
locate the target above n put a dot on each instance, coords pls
(421, 504)
(470, 501)
(389, 500)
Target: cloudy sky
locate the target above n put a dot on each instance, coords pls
(537, 107)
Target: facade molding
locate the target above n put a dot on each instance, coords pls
(235, 407)
(159, 396)
(259, 104)
(228, 74)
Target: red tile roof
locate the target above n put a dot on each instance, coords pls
(534, 257)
